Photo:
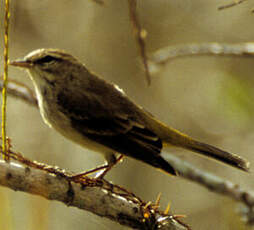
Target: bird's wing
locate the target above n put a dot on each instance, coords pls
(95, 116)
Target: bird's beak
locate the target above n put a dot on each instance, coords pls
(21, 63)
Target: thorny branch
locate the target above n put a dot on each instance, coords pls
(185, 170)
(97, 196)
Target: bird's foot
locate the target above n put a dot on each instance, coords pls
(100, 175)
(80, 176)
(101, 171)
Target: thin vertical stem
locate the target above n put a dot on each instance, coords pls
(5, 78)
(140, 35)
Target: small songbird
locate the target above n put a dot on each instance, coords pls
(99, 116)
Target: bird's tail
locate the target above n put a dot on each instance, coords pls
(218, 154)
(178, 139)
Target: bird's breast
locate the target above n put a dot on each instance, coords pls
(54, 118)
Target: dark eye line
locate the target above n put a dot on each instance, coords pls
(46, 59)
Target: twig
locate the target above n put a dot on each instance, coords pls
(21, 91)
(5, 78)
(140, 35)
(166, 54)
(236, 2)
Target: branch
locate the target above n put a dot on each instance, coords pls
(216, 184)
(236, 2)
(101, 197)
(166, 54)
(19, 90)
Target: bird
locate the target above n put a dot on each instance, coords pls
(99, 116)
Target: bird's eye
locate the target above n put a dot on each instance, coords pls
(46, 59)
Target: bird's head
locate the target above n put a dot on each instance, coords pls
(48, 64)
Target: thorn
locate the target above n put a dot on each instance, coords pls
(167, 209)
(157, 202)
(146, 210)
(147, 204)
(9, 145)
(179, 216)
(158, 199)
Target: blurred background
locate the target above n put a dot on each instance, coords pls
(209, 98)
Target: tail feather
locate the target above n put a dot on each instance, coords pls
(218, 154)
(173, 137)
(161, 163)
(178, 139)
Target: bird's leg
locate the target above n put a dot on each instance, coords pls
(81, 175)
(112, 160)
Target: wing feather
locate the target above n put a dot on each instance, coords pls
(106, 122)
